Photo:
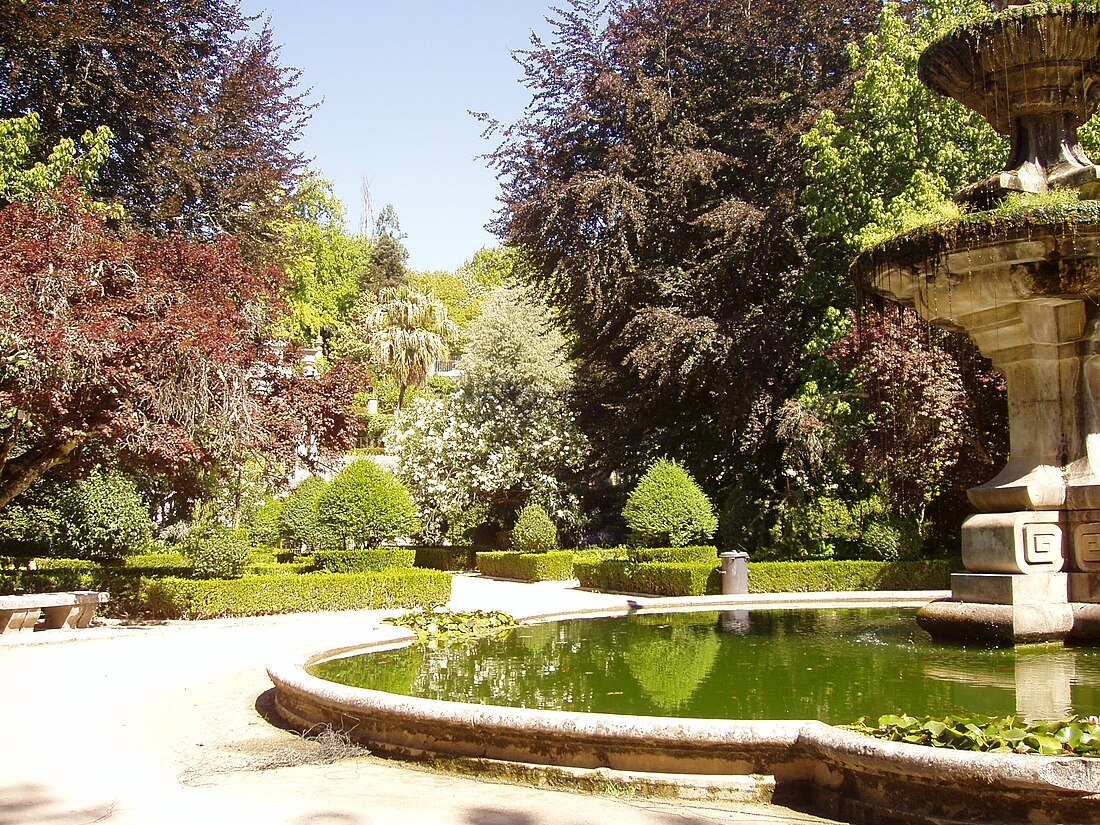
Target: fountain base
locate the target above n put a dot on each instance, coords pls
(1009, 609)
(998, 624)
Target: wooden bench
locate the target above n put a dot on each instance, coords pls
(74, 609)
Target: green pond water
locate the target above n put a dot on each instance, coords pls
(832, 665)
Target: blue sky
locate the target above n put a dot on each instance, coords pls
(395, 82)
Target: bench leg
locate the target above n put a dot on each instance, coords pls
(56, 617)
(82, 615)
(18, 618)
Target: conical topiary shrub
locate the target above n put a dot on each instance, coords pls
(534, 531)
(668, 509)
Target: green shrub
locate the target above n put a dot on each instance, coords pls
(446, 558)
(216, 552)
(49, 575)
(102, 518)
(661, 578)
(126, 585)
(263, 554)
(364, 561)
(531, 567)
(668, 509)
(818, 529)
(817, 576)
(264, 523)
(274, 568)
(534, 532)
(269, 595)
(28, 526)
(366, 505)
(889, 539)
(298, 521)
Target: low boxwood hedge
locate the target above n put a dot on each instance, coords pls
(446, 558)
(687, 578)
(653, 578)
(816, 576)
(556, 565)
(364, 561)
(265, 568)
(125, 584)
(683, 555)
(268, 595)
(158, 560)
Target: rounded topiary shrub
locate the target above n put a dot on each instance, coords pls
(264, 522)
(534, 531)
(366, 506)
(668, 509)
(101, 518)
(298, 522)
(217, 552)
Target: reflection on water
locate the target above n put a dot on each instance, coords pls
(834, 665)
(1042, 678)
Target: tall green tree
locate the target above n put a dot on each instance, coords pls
(923, 415)
(897, 148)
(203, 117)
(388, 256)
(654, 179)
(324, 263)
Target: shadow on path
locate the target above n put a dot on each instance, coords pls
(26, 803)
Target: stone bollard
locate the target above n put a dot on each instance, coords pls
(735, 573)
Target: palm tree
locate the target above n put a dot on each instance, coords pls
(408, 333)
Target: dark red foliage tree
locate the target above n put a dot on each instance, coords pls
(933, 413)
(655, 180)
(153, 345)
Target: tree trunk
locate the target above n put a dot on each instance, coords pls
(21, 472)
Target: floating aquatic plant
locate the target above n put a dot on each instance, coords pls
(441, 624)
(1074, 736)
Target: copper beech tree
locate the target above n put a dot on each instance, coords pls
(154, 345)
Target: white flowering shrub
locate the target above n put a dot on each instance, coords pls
(497, 445)
(507, 434)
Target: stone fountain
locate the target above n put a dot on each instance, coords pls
(1025, 285)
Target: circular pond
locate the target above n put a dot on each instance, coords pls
(834, 665)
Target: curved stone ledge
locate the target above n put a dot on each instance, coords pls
(839, 772)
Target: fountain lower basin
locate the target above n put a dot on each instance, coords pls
(831, 770)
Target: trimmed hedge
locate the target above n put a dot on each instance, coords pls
(529, 567)
(364, 561)
(446, 558)
(271, 568)
(815, 576)
(174, 561)
(269, 595)
(48, 576)
(127, 585)
(653, 578)
(704, 554)
(700, 578)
